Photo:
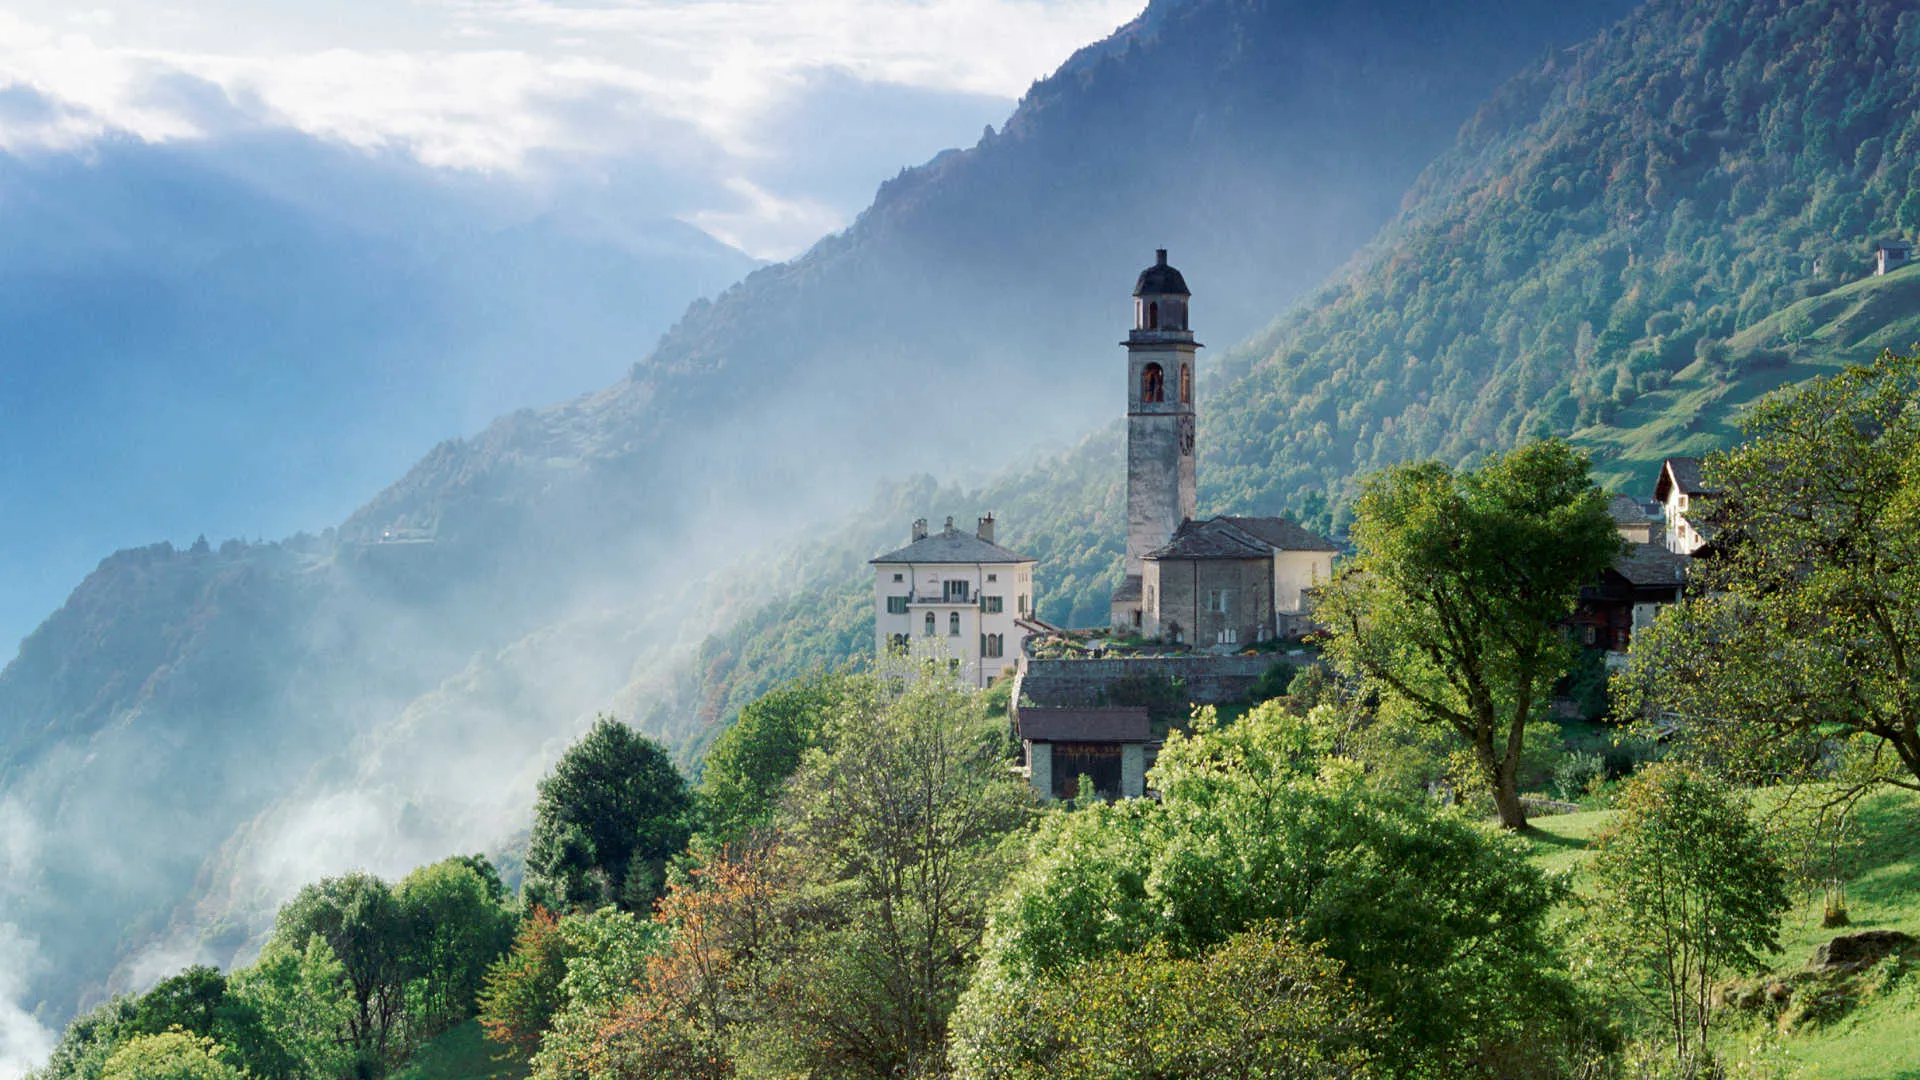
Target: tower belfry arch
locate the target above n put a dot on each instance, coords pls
(1160, 426)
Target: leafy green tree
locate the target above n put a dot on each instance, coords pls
(1685, 889)
(1441, 925)
(1451, 609)
(89, 1040)
(1262, 1006)
(607, 955)
(522, 989)
(1807, 627)
(896, 833)
(743, 773)
(609, 816)
(174, 1055)
(459, 928)
(301, 997)
(363, 924)
(190, 1001)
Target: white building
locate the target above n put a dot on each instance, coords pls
(1681, 494)
(955, 595)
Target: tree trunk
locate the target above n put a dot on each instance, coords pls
(1502, 773)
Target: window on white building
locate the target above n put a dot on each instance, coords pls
(956, 592)
(1023, 605)
(899, 577)
(953, 623)
(896, 605)
(993, 577)
(993, 605)
(930, 624)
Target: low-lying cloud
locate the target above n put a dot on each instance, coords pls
(515, 85)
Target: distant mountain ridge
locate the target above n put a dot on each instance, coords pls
(573, 554)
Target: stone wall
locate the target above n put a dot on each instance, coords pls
(1180, 589)
(1206, 680)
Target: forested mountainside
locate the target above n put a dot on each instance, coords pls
(1613, 220)
(1631, 240)
(1261, 140)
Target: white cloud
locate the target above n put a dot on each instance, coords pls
(766, 221)
(493, 85)
(717, 63)
(24, 1041)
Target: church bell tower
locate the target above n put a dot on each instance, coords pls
(1160, 418)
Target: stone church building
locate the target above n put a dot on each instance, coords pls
(1223, 583)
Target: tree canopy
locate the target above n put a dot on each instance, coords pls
(1806, 627)
(1439, 924)
(608, 817)
(1451, 608)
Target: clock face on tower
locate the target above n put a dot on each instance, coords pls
(1186, 436)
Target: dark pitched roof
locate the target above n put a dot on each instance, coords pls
(952, 546)
(1627, 510)
(1239, 538)
(1283, 534)
(1893, 244)
(1160, 279)
(1128, 724)
(1653, 564)
(1683, 471)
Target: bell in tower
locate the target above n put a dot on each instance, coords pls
(1160, 420)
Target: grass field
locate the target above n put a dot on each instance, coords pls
(1697, 412)
(1879, 1037)
(461, 1054)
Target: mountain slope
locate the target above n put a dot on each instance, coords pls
(1261, 140)
(1580, 264)
(1610, 217)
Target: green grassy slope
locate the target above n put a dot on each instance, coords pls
(1878, 1038)
(461, 1054)
(1699, 409)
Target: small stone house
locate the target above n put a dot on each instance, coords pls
(1889, 255)
(1229, 582)
(1106, 745)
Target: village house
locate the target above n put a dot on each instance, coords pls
(957, 596)
(1682, 499)
(1889, 255)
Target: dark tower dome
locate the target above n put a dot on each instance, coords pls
(1160, 279)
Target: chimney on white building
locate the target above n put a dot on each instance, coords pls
(986, 528)
(919, 530)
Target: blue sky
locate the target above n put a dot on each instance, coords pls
(261, 256)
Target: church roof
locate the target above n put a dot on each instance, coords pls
(1160, 279)
(1239, 538)
(950, 545)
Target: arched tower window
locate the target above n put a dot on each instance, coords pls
(930, 624)
(953, 623)
(1186, 384)
(1153, 315)
(1153, 384)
